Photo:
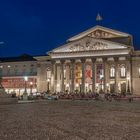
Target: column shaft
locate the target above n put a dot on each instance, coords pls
(52, 76)
(104, 65)
(62, 75)
(93, 75)
(55, 77)
(72, 75)
(83, 75)
(116, 75)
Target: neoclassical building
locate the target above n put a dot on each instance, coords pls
(97, 60)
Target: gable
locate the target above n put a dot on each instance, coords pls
(89, 44)
(99, 32)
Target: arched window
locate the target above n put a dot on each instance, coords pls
(123, 71)
(112, 72)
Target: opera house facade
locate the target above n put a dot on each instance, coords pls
(100, 60)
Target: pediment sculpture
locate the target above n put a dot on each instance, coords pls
(89, 46)
(101, 34)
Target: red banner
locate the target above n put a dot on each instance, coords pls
(88, 74)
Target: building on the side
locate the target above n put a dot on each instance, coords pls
(13, 71)
(97, 60)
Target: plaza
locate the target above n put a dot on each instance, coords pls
(59, 120)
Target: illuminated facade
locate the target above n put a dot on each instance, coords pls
(13, 72)
(98, 60)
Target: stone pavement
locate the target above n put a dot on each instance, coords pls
(70, 120)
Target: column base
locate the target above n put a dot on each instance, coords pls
(25, 96)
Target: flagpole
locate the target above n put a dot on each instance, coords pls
(99, 19)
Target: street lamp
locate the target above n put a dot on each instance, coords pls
(31, 86)
(25, 96)
(25, 79)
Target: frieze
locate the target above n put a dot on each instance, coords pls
(94, 46)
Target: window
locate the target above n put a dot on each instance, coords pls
(32, 70)
(123, 71)
(8, 71)
(48, 74)
(112, 72)
(16, 69)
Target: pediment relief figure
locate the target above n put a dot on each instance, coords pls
(101, 34)
(97, 45)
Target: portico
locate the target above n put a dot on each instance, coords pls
(90, 75)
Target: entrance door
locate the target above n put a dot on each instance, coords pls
(123, 88)
(112, 88)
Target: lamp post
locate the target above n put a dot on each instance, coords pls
(31, 87)
(25, 96)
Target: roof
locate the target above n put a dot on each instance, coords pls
(87, 32)
(24, 57)
(121, 40)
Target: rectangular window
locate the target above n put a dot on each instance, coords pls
(48, 74)
(123, 72)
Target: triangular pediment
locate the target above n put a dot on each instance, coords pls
(99, 32)
(89, 44)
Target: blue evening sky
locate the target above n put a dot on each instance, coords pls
(37, 26)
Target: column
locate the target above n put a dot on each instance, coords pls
(72, 75)
(62, 75)
(128, 70)
(52, 75)
(131, 75)
(116, 74)
(105, 78)
(83, 75)
(93, 75)
(55, 78)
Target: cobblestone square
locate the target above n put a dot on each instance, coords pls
(70, 120)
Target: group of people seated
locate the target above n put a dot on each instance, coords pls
(89, 95)
(76, 96)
